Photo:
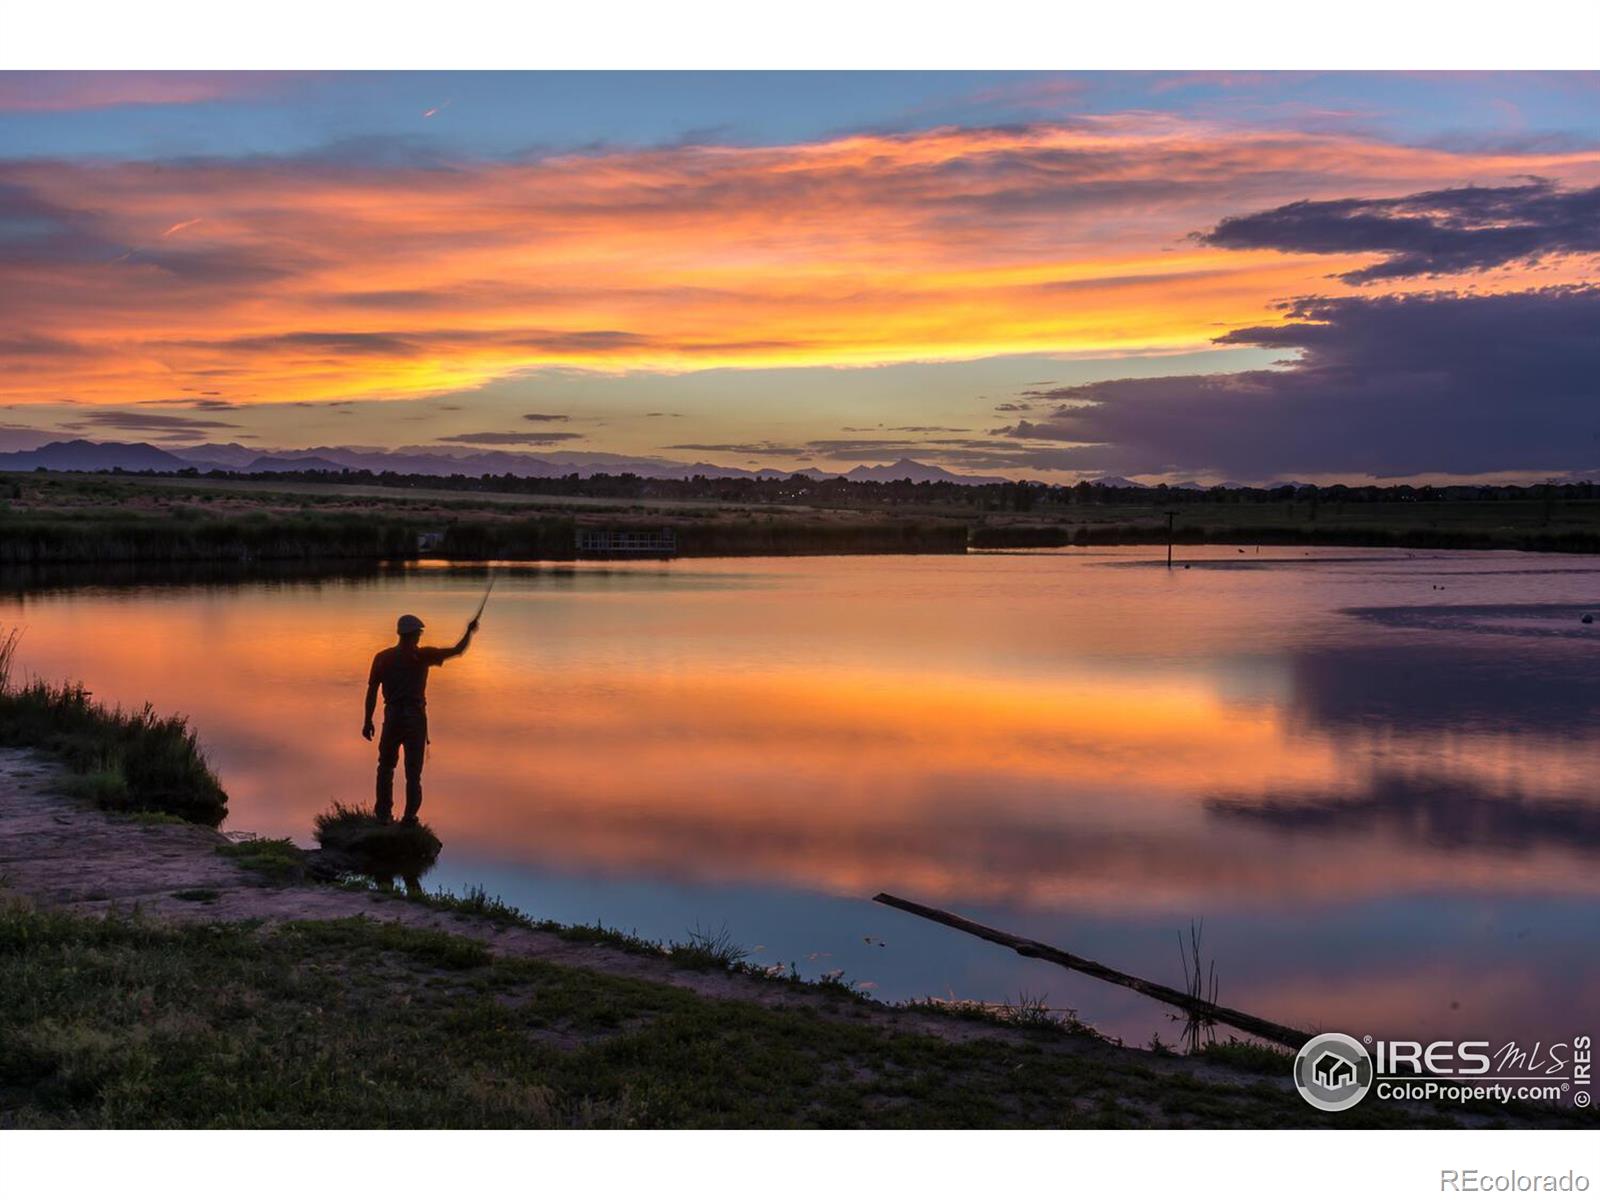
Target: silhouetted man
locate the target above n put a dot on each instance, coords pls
(402, 672)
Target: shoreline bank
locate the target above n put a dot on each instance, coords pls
(252, 986)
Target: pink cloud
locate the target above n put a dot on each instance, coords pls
(68, 91)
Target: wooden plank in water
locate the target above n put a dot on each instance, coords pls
(1203, 1009)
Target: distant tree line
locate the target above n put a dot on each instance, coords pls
(846, 493)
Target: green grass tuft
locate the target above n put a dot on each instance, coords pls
(1248, 1056)
(355, 839)
(152, 818)
(279, 860)
(708, 950)
(105, 788)
(478, 903)
(1025, 1012)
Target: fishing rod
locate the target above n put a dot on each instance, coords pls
(482, 604)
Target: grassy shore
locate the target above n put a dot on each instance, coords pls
(125, 761)
(119, 1022)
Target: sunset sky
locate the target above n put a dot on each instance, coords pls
(1213, 276)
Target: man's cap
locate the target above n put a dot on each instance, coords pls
(408, 624)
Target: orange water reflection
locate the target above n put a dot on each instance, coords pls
(1021, 731)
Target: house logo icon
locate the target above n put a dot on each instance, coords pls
(1333, 1072)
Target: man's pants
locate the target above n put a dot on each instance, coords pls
(407, 728)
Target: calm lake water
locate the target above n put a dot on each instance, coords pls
(1372, 774)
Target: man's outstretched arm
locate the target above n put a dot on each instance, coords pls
(460, 647)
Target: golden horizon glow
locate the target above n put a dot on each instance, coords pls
(309, 280)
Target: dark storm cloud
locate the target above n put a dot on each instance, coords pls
(1430, 233)
(1033, 429)
(968, 453)
(545, 417)
(511, 439)
(1388, 386)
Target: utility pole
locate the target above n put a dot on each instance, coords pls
(1171, 513)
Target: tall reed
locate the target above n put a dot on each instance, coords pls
(133, 761)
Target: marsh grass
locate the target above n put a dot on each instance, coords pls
(1200, 982)
(124, 761)
(113, 535)
(708, 949)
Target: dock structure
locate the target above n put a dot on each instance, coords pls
(627, 543)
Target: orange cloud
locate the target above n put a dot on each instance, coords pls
(313, 279)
